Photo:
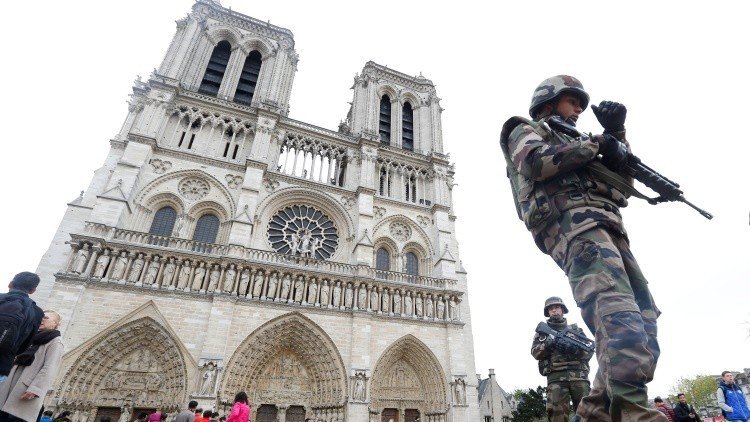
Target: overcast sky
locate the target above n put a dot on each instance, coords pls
(679, 67)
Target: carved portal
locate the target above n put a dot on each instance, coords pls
(408, 372)
(290, 361)
(138, 363)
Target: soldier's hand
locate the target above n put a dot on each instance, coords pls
(549, 342)
(614, 153)
(611, 116)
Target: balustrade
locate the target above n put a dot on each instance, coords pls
(161, 262)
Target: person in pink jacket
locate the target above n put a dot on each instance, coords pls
(240, 409)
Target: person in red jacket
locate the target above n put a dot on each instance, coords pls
(667, 411)
(240, 409)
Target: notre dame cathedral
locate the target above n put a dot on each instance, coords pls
(224, 246)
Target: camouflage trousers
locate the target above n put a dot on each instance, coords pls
(617, 307)
(559, 396)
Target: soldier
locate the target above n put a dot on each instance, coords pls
(567, 370)
(571, 203)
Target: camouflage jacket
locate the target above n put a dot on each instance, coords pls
(557, 197)
(555, 365)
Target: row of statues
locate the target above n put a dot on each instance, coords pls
(196, 276)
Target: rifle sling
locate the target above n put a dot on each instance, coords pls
(615, 180)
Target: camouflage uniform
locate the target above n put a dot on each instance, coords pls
(574, 217)
(567, 374)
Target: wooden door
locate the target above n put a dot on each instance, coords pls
(266, 413)
(411, 415)
(389, 414)
(113, 413)
(295, 414)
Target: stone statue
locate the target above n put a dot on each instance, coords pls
(374, 300)
(120, 263)
(258, 284)
(312, 292)
(418, 306)
(440, 308)
(294, 243)
(229, 279)
(336, 300)
(407, 305)
(385, 300)
(348, 296)
(273, 282)
(207, 384)
(184, 277)
(101, 264)
(428, 306)
(178, 225)
(79, 266)
(316, 244)
(152, 271)
(324, 290)
(198, 275)
(213, 279)
(359, 387)
(286, 284)
(397, 303)
(244, 282)
(458, 387)
(362, 298)
(135, 269)
(166, 278)
(304, 243)
(453, 309)
(299, 287)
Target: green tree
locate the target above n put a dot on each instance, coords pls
(700, 391)
(531, 405)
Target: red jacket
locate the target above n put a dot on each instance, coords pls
(240, 413)
(669, 413)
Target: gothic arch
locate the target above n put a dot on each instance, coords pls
(409, 374)
(418, 235)
(389, 91)
(218, 33)
(289, 360)
(306, 196)
(411, 98)
(169, 184)
(162, 199)
(138, 361)
(250, 43)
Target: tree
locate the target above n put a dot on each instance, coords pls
(700, 391)
(531, 405)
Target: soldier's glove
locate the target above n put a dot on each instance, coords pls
(614, 153)
(549, 342)
(611, 116)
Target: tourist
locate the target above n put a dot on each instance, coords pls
(46, 416)
(207, 416)
(660, 406)
(240, 409)
(33, 372)
(731, 399)
(187, 415)
(20, 318)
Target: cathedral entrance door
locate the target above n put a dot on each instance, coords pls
(295, 414)
(389, 415)
(267, 413)
(113, 413)
(411, 415)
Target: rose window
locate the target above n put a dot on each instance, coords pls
(303, 230)
(193, 189)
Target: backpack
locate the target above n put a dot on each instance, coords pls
(14, 317)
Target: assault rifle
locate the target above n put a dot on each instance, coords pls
(566, 339)
(668, 190)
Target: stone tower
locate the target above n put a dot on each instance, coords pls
(224, 247)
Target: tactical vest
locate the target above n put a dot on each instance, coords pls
(539, 203)
(558, 362)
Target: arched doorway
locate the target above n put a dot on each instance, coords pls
(289, 362)
(134, 367)
(267, 413)
(407, 382)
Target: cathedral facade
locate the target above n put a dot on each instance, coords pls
(225, 247)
